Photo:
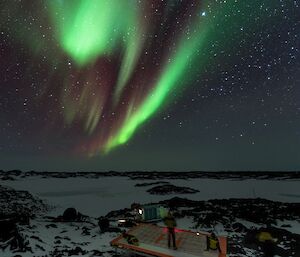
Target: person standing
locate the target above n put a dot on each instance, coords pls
(170, 222)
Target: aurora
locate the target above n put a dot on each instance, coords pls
(102, 35)
(109, 69)
(89, 31)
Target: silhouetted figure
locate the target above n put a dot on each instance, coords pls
(170, 222)
(212, 242)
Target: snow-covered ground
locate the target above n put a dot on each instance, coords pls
(96, 197)
(45, 241)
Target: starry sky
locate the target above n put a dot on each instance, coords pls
(168, 85)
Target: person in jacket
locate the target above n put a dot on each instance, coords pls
(170, 222)
(267, 243)
(212, 242)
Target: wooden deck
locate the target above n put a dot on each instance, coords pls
(153, 241)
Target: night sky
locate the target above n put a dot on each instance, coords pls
(174, 85)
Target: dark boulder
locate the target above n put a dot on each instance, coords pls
(239, 227)
(10, 236)
(103, 224)
(76, 251)
(171, 189)
(8, 229)
(70, 214)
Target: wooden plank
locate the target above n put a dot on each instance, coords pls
(143, 250)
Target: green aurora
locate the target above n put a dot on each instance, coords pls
(91, 30)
